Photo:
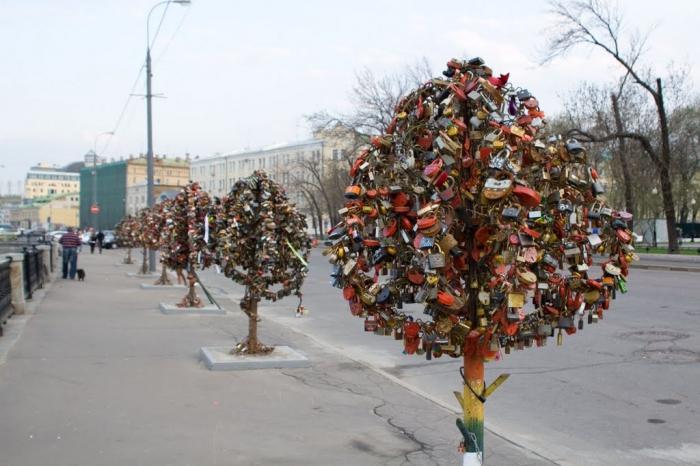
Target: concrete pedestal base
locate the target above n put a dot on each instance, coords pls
(218, 358)
(173, 309)
(143, 275)
(151, 286)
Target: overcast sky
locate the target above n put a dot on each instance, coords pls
(242, 74)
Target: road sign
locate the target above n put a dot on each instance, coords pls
(94, 209)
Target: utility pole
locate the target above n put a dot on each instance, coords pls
(149, 153)
(150, 198)
(94, 189)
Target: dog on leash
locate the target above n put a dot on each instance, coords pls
(81, 275)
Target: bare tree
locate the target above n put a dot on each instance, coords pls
(606, 109)
(685, 143)
(374, 99)
(596, 23)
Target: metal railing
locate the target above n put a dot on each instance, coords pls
(33, 271)
(5, 293)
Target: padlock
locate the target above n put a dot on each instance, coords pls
(436, 260)
(516, 299)
(511, 213)
(371, 325)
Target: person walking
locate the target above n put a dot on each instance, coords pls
(100, 239)
(92, 240)
(70, 243)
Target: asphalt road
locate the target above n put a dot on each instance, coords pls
(623, 391)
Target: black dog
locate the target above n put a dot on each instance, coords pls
(81, 275)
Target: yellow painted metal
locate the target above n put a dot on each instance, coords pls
(473, 406)
(460, 399)
(495, 384)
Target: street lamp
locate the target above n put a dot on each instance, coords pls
(94, 207)
(692, 226)
(655, 192)
(149, 119)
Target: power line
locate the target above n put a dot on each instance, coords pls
(160, 23)
(122, 113)
(123, 110)
(170, 40)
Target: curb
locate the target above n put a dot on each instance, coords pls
(666, 268)
(662, 268)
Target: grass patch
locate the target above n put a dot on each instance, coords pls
(694, 251)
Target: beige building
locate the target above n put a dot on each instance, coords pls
(25, 217)
(166, 172)
(169, 175)
(45, 180)
(50, 213)
(288, 163)
(60, 212)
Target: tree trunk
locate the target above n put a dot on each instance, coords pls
(669, 209)
(253, 327)
(164, 279)
(622, 153)
(144, 264)
(318, 226)
(191, 299)
(251, 345)
(127, 259)
(664, 175)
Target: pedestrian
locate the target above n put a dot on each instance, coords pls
(92, 240)
(100, 240)
(70, 243)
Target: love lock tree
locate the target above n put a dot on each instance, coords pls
(143, 239)
(186, 235)
(125, 233)
(465, 207)
(261, 244)
(154, 229)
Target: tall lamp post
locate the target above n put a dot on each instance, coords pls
(655, 192)
(95, 208)
(149, 120)
(692, 220)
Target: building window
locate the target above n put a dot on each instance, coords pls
(335, 154)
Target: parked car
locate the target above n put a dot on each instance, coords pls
(110, 240)
(56, 235)
(7, 231)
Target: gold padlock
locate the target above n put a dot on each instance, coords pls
(516, 299)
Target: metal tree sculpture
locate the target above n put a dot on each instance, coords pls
(125, 233)
(261, 244)
(465, 207)
(187, 221)
(155, 229)
(143, 239)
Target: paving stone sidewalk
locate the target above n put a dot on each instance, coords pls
(99, 376)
